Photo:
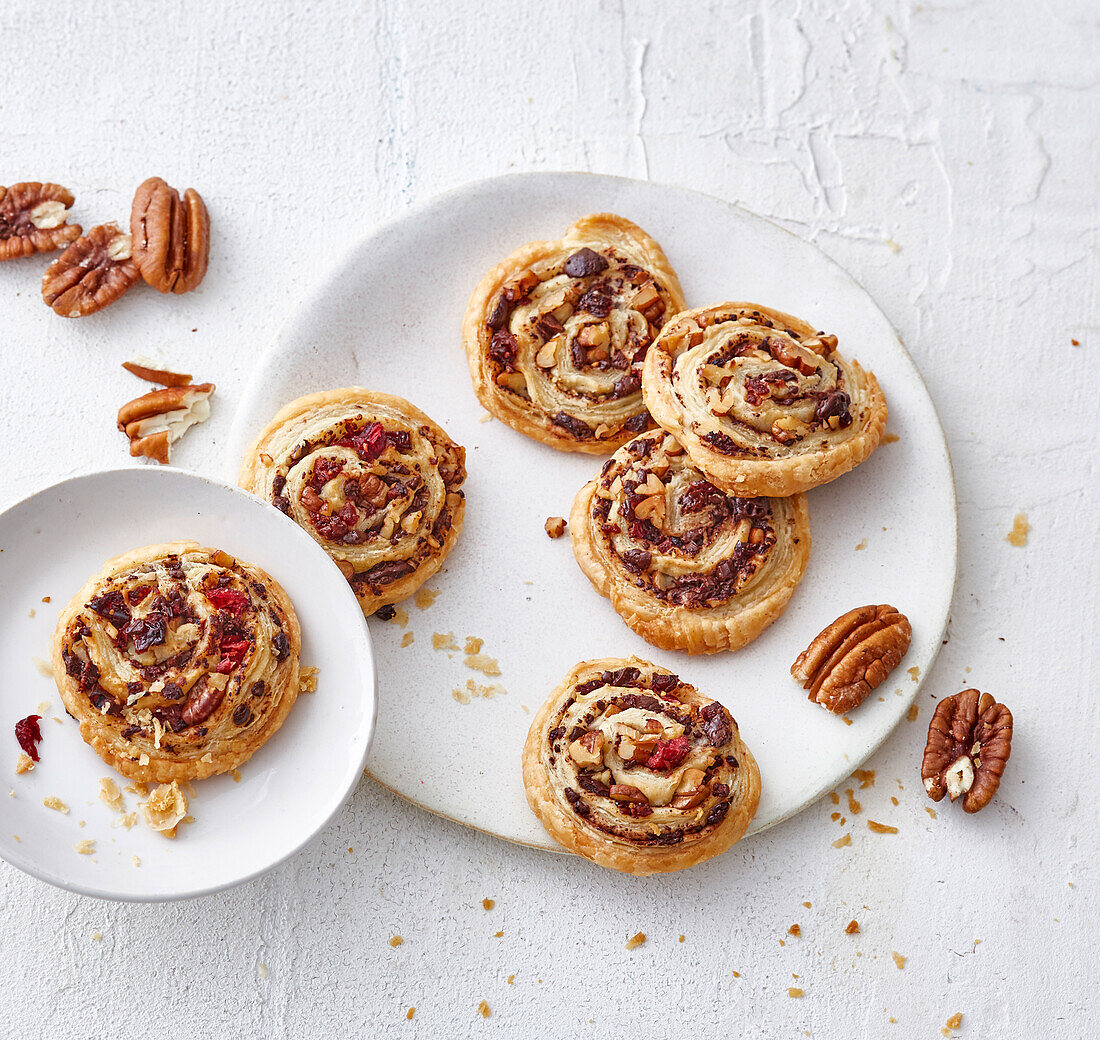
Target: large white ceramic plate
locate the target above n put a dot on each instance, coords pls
(50, 544)
(388, 317)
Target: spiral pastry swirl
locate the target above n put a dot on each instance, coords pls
(372, 479)
(178, 661)
(762, 403)
(555, 335)
(632, 768)
(686, 565)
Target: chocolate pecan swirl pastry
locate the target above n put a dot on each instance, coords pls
(555, 335)
(178, 661)
(762, 403)
(687, 565)
(372, 479)
(634, 769)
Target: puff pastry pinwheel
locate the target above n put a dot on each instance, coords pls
(372, 479)
(178, 661)
(634, 769)
(556, 333)
(687, 566)
(762, 403)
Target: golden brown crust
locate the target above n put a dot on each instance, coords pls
(555, 333)
(685, 565)
(371, 478)
(177, 661)
(762, 403)
(663, 780)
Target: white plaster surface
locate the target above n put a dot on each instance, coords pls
(946, 154)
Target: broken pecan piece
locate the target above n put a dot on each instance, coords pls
(969, 741)
(852, 656)
(92, 273)
(171, 236)
(156, 420)
(33, 219)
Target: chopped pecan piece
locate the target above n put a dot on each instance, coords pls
(555, 526)
(32, 219)
(969, 741)
(92, 273)
(587, 749)
(852, 656)
(171, 237)
(154, 372)
(627, 793)
(156, 420)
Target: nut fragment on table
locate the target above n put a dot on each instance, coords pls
(92, 273)
(554, 526)
(852, 656)
(171, 236)
(156, 420)
(154, 372)
(969, 741)
(33, 219)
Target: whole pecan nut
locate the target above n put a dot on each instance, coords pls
(33, 219)
(92, 273)
(852, 656)
(969, 741)
(171, 236)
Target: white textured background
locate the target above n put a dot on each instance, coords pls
(946, 153)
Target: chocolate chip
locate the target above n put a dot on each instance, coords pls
(596, 302)
(549, 326)
(503, 347)
(585, 262)
(242, 716)
(498, 313)
(577, 427)
(386, 612)
(636, 560)
(172, 691)
(627, 385)
(257, 688)
(835, 402)
(281, 645)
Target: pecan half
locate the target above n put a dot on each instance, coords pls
(171, 236)
(969, 741)
(93, 272)
(852, 656)
(156, 420)
(32, 219)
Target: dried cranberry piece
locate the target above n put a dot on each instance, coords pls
(105, 703)
(323, 471)
(596, 302)
(228, 599)
(369, 442)
(669, 753)
(172, 691)
(110, 606)
(585, 262)
(698, 495)
(172, 717)
(137, 594)
(503, 347)
(147, 631)
(232, 655)
(28, 734)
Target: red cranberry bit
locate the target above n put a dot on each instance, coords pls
(669, 753)
(227, 599)
(232, 655)
(112, 607)
(28, 734)
(323, 471)
(369, 442)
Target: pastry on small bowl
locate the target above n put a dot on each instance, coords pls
(178, 661)
(372, 479)
(634, 769)
(686, 565)
(762, 403)
(555, 334)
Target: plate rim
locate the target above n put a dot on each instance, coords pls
(13, 857)
(330, 276)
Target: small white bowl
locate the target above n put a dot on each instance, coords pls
(50, 544)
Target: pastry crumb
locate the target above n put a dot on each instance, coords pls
(841, 842)
(46, 671)
(45, 599)
(459, 696)
(681, 938)
(425, 597)
(484, 417)
(85, 847)
(136, 860)
(165, 809)
(409, 1014)
(853, 806)
(881, 828)
(126, 820)
(555, 526)
(498, 935)
(55, 803)
(511, 980)
(891, 438)
(488, 904)
(444, 641)
(912, 713)
(97, 936)
(1018, 535)
(862, 545)
(396, 941)
(407, 639)
(952, 1024)
(794, 991)
(795, 930)
(853, 927)
(866, 778)
(261, 970)
(308, 679)
(931, 812)
(899, 959)
(110, 794)
(485, 1010)
(473, 645)
(24, 763)
(635, 941)
(914, 673)
(482, 663)
(834, 797)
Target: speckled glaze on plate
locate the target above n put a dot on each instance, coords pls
(50, 543)
(389, 317)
